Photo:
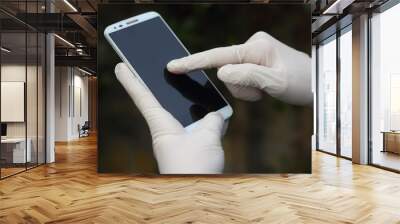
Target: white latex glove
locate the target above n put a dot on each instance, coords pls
(261, 64)
(176, 150)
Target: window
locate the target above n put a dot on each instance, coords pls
(334, 106)
(327, 95)
(346, 92)
(385, 89)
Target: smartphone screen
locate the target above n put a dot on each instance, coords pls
(149, 46)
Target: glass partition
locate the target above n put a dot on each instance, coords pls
(41, 88)
(41, 91)
(22, 88)
(13, 109)
(31, 99)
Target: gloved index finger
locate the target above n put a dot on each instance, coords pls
(213, 58)
(158, 119)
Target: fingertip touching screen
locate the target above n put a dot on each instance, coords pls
(149, 46)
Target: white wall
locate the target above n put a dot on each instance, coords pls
(62, 81)
(81, 84)
(71, 102)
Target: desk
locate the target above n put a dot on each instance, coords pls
(13, 150)
(391, 141)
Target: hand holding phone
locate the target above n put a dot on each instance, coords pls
(177, 150)
(146, 44)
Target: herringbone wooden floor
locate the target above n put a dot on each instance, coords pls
(70, 191)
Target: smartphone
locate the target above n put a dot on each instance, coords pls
(146, 44)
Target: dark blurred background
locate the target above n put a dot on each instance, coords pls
(267, 136)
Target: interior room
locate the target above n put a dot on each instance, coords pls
(49, 124)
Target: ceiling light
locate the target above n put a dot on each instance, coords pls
(65, 41)
(84, 71)
(5, 50)
(70, 5)
(337, 7)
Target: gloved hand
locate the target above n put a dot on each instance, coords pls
(261, 64)
(176, 150)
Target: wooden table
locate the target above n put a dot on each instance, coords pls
(391, 141)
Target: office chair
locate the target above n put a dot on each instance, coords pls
(84, 130)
